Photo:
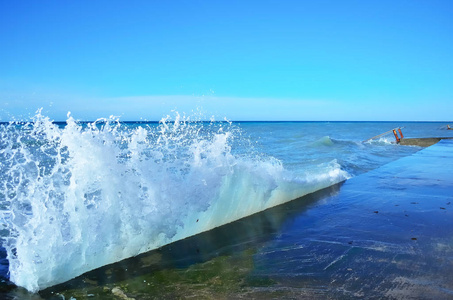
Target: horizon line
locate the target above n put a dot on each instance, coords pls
(235, 121)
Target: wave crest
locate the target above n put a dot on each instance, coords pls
(78, 197)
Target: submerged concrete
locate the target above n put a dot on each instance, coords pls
(422, 142)
(385, 234)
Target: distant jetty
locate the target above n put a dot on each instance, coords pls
(422, 142)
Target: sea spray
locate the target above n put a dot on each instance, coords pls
(78, 197)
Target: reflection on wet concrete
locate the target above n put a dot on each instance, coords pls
(385, 234)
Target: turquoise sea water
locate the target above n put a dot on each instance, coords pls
(79, 196)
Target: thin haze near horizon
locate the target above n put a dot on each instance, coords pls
(243, 60)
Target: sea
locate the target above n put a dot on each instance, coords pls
(94, 209)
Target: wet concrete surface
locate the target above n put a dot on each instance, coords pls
(385, 234)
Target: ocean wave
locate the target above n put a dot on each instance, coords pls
(324, 141)
(82, 196)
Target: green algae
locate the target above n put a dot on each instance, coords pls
(219, 278)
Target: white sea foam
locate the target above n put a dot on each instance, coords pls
(83, 196)
(382, 141)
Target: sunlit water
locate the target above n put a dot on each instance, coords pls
(78, 196)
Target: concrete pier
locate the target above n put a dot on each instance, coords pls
(422, 142)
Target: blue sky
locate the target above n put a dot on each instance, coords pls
(243, 60)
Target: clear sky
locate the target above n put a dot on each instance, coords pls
(243, 60)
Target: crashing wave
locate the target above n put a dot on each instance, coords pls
(78, 197)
